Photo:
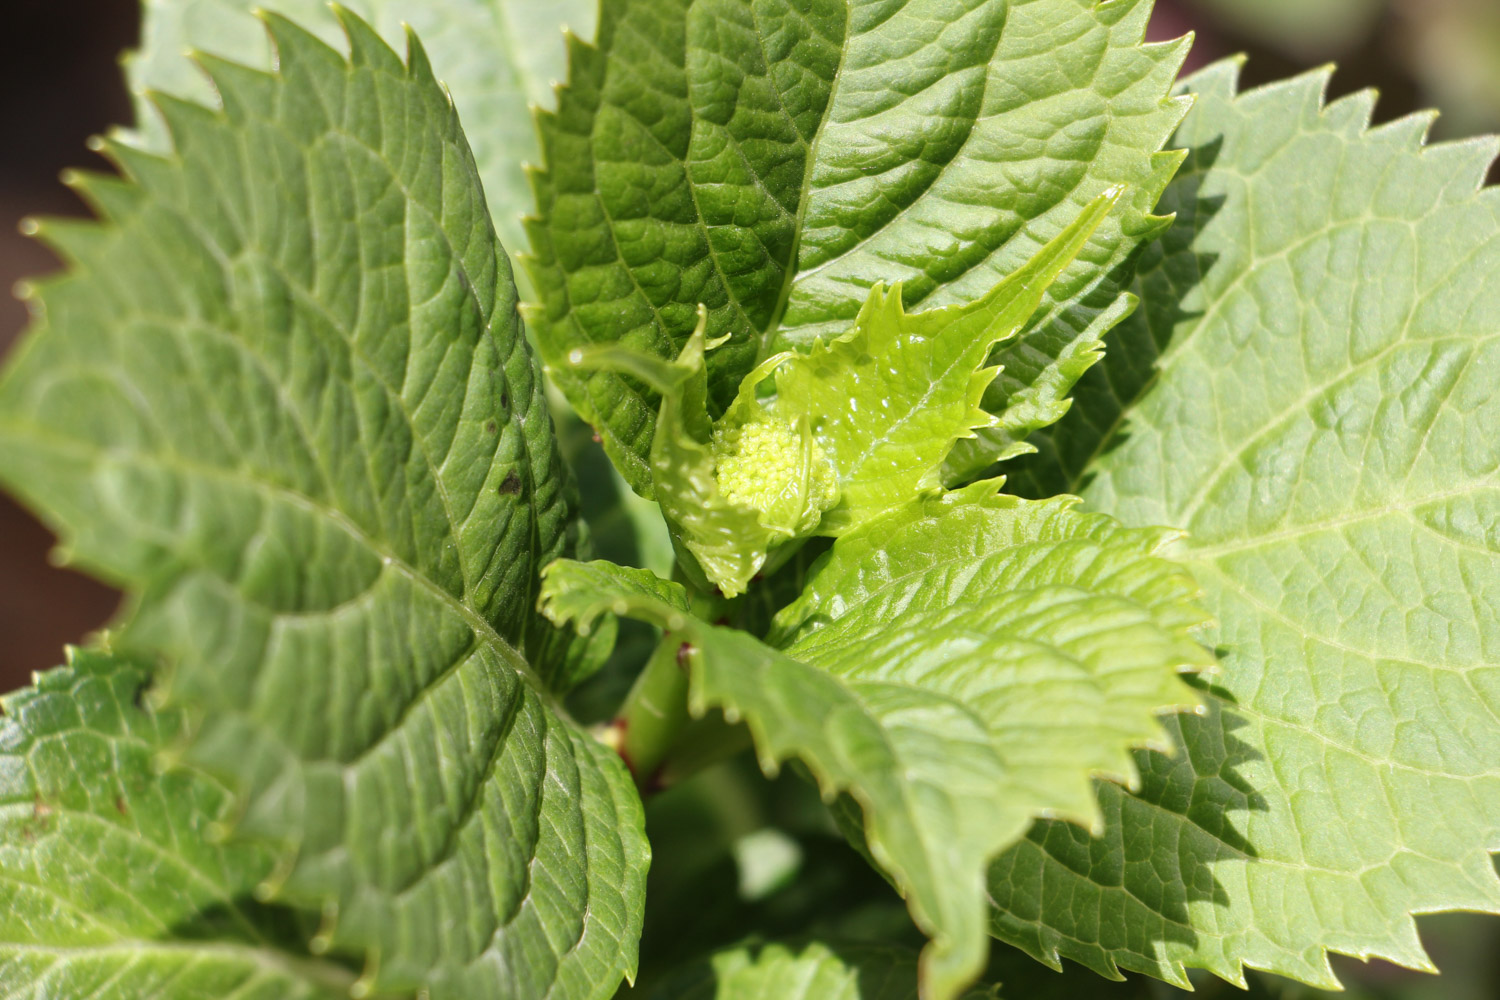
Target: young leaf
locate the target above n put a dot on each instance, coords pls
(1014, 649)
(888, 400)
(853, 429)
(497, 58)
(722, 502)
(918, 762)
(773, 161)
(1319, 417)
(283, 399)
(1063, 631)
(112, 885)
(811, 971)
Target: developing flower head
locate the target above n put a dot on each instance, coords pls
(777, 469)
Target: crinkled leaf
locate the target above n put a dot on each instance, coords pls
(958, 667)
(1062, 631)
(112, 883)
(727, 539)
(919, 763)
(1310, 391)
(888, 400)
(851, 430)
(774, 160)
(282, 397)
(811, 971)
(497, 58)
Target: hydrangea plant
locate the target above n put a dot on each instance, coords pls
(1082, 482)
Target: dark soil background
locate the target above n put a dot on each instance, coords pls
(60, 83)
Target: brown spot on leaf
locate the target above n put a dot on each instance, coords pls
(120, 806)
(492, 427)
(511, 485)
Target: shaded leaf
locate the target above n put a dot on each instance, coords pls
(811, 971)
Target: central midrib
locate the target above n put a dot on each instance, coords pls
(767, 335)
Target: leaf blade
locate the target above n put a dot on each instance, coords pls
(1334, 497)
(889, 399)
(626, 250)
(498, 57)
(82, 795)
(927, 698)
(286, 401)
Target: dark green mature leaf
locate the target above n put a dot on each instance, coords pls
(774, 160)
(497, 58)
(283, 398)
(112, 883)
(1309, 390)
(958, 667)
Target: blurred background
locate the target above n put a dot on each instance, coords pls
(60, 83)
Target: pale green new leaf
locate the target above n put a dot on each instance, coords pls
(1310, 391)
(919, 763)
(958, 667)
(774, 160)
(113, 885)
(811, 971)
(496, 57)
(1062, 631)
(727, 540)
(888, 400)
(283, 399)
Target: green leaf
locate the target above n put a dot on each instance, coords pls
(888, 400)
(773, 161)
(112, 884)
(919, 763)
(851, 430)
(958, 667)
(1309, 391)
(497, 57)
(282, 398)
(1062, 631)
(811, 971)
(726, 538)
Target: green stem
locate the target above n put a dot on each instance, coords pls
(654, 732)
(707, 741)
(655, 712)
